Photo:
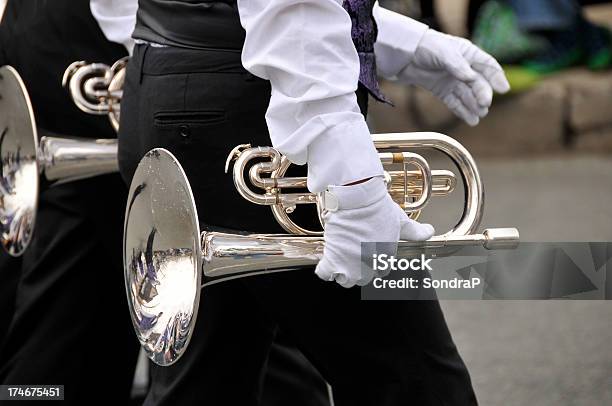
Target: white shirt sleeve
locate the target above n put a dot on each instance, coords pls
(398, 39)
(2, 8)
(117, 19)
(304, 48)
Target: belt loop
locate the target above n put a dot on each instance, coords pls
(142, 61)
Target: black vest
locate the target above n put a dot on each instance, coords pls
(202, 24)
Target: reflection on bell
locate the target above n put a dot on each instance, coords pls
(160, 253)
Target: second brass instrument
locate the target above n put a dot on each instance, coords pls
(24, 157)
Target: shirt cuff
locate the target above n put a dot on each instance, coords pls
(398, 39)
(345, 153)
(398, 31)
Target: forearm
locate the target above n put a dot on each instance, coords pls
(306, 52)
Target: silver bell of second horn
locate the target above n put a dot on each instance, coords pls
(23, 158)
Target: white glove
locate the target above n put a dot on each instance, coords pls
(458, 72)
(362, 213)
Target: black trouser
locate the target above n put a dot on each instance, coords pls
(71, 326)
(290, 379)
(199, 105)
(10, 269)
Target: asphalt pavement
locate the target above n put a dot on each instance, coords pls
(538, 353)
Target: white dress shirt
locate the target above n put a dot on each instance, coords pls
(2, 8)
(304, 48)
(117, 19)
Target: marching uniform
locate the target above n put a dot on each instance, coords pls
(209, 75)
(70, 326)
(9, 274)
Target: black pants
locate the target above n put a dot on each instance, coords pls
(290, 379)
(199, 105)
(71, 326)
(10, 269)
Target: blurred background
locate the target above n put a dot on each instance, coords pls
(545, 155)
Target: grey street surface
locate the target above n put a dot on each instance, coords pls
(539, 352)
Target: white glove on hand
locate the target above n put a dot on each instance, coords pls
(458, 72)
(364, 213)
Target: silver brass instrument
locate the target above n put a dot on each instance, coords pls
(97, 88)
(410, 189)
(167, 260)
(24, 158)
